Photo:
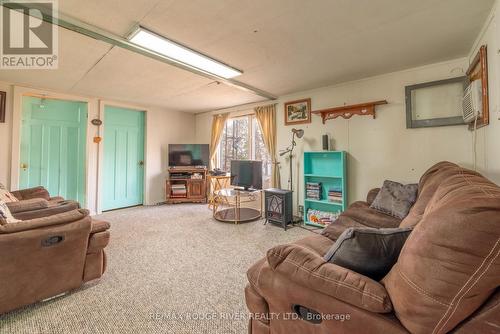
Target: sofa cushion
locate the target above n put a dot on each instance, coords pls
(5, 215)
(61, 218)
(369, 251)
(359, 214)
(28, 205)
(53, 208)
(427, 186)
(485, 320)
(310, 270)
(395, 199)
(317, 245)
(450, 263)
(36, 192)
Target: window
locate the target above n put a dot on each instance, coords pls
(435, 103)
(242, 139)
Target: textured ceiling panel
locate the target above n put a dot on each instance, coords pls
(211, 97)
(285, 46)
(131, 77)
(116, 16)
(77, 54)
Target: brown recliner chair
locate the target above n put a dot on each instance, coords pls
(445, 281)
(37, 203)
(45, 257)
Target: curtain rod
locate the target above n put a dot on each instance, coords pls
(250, 106)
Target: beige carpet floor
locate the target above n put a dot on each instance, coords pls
(172, 269)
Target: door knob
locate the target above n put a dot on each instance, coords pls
(24, 166)
(141, 163)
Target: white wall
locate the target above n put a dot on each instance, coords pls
(162, 127)
(378, 148)
(5, 137)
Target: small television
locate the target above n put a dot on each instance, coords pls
(246, 174)
(183, 155)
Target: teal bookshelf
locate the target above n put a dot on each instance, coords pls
(330, 169)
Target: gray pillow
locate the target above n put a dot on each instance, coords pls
(369, 251)
(395, 199)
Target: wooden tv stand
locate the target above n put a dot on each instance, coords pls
(195, 188)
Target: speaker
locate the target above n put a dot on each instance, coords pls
(325, 142)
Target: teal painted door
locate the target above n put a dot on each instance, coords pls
(123, 180)
(53, 134)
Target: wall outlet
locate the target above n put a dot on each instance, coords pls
(301, 210)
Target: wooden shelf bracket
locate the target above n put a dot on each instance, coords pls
(347, 112)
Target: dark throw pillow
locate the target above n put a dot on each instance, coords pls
(369, 251)
(395, 199)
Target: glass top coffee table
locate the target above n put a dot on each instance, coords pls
(237, 205)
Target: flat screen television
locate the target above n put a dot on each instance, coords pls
(246, 174)
(182, 155)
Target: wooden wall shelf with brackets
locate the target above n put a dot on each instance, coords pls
(348, 111)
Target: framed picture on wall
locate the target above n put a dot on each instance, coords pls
(298, 112)
(3, 96)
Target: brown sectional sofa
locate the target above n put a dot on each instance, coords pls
(446, 279)
(55, 248)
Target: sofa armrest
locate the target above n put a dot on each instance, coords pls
(99, 226)
(370, 197)
(62, 218)
(36, 192)
(307, 268)
(27, 205)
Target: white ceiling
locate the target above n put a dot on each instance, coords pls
(283, 46)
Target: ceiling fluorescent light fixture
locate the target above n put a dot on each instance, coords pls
(180, 53)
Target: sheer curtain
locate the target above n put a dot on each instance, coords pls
(266, 116)
(218, 123)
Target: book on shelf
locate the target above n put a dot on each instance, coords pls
(313, 196)
(310, 192)
(335, 195)
(336, 201)
(313, 190)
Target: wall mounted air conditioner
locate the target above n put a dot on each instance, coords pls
(472, 101)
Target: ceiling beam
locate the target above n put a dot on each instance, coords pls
(94, 32)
